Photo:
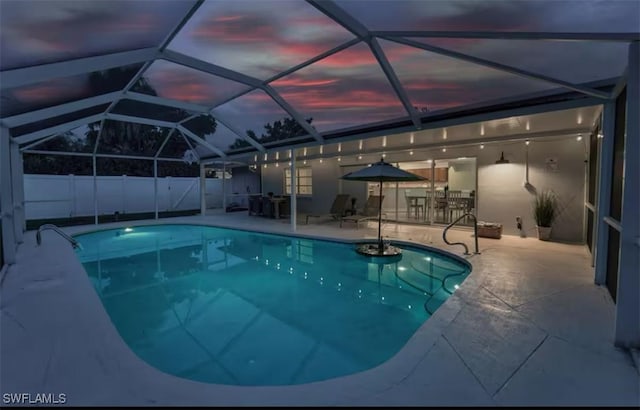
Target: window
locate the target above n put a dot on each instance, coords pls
(303, 181)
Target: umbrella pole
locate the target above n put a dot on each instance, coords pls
(380, 246)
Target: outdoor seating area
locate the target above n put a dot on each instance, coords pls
(339, 209)
(447, 204)
(270, 206)
(370, 211)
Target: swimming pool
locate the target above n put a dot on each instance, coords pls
(238, 307)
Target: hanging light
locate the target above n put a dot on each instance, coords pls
(501, 160)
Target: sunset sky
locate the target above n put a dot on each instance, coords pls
(264, 38)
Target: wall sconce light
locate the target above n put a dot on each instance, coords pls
(502, 160)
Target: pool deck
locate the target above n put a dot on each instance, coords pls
(528, 327)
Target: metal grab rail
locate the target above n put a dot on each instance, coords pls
(475, 233)
(44, 227)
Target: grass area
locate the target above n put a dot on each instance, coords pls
(88, 220)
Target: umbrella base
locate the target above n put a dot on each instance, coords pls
(372, 249)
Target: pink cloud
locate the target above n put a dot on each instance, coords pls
(236, 29)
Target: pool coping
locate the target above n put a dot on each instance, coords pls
(159, 388)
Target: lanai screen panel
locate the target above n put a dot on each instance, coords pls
(58, 120)
(153, 111)
(435, 82)
(50, 31)
(125, 138)
(258, 38)
(61, 90)
(497, 15)
(217, 135)
(572, 61)
(177, 82)
(343, 90)
(80, 139)
(260, 117)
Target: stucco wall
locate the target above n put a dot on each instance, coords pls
(502, 195)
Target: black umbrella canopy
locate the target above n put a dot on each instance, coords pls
(381, 172)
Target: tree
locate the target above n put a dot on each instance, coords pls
(279, 130)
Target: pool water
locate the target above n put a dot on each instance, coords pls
(243, 308)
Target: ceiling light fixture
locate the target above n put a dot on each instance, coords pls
(579, 137)
(527, 142)
(481, 146)
(444, 150)
(410, 152)
(502, 160)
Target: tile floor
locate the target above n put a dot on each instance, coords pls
(527, 327)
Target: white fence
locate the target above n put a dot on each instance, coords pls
(61, 196)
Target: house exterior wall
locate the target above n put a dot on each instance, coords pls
(500, 187)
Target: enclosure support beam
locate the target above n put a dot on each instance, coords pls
(627, 327)
(604, 192)
(294, 202)
(203, 189)
(95, 191)
(6, 203)
(17, 193)
(224, 187)
(155, 188)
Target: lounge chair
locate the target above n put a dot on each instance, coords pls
(338, 208)
(369, 212)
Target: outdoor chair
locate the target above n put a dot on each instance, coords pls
(338, 208)
(370, 212)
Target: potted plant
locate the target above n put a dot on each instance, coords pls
(544, 213)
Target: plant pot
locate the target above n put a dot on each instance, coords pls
(544, 232)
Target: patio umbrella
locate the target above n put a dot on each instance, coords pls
(381, 172)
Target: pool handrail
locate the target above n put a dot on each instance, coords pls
(475, 233)
(53, 227)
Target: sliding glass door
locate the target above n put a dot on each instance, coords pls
(447, 192)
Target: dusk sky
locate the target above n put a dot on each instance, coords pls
(264, 38)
